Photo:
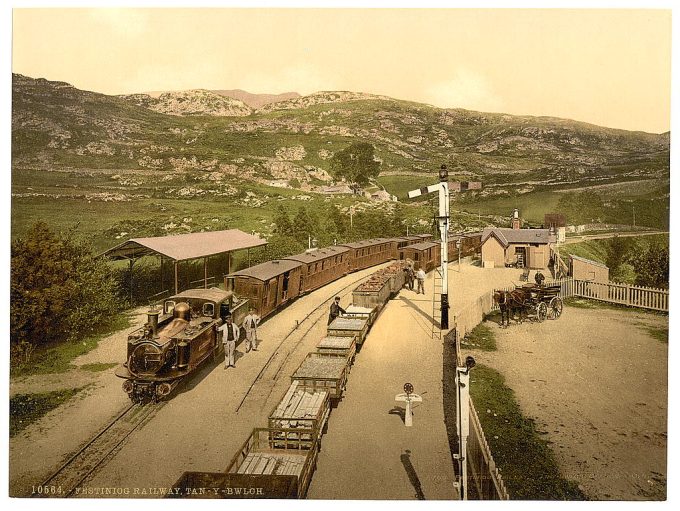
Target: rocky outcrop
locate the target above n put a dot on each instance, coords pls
(191, 102)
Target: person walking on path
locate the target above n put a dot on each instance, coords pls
(230, 334)
(421, 281)
(411, 278)
(336, 310)
(250, 326)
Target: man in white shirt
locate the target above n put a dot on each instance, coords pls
(230, 333)
(250, 326)
(421, 281)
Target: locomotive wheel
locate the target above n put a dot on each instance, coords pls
(541, 312)
(556, 307)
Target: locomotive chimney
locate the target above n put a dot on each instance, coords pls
(152, 316)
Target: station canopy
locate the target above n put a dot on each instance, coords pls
(183, 247)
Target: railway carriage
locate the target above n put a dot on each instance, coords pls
(322, 266)
(424, 255)
(367, 253)
(269, 285)
(396, 244)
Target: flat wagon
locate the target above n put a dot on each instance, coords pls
(344, 326)
(264, 454)
(359, 312)
(301, 409)
(346, 346)
(319, 371)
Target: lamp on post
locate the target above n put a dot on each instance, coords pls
(463, 421)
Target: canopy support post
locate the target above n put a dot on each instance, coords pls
(205, 273)
(176, 280)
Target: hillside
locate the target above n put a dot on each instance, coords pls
(200, 144)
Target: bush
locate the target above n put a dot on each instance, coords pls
(59, 291)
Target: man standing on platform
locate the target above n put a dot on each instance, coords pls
(336, 310)
(421, 281)
(230, 334)
(250, 326)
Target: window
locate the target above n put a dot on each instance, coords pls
(209, 309)
(169, 306)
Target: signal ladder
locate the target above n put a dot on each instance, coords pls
(437, 304)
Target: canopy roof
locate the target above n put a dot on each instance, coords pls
(182, 247)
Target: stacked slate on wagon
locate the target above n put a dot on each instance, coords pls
(320, 371)
(300, 408)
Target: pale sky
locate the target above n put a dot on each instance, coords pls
(610, 67)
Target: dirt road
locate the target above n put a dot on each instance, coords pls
(595, 381)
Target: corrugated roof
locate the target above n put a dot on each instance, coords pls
(268, 270)
(182, 247)
(507, 235)
(317, 255)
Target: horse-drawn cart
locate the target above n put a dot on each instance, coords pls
(538, 301)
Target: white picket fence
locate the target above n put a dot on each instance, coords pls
(624, 294)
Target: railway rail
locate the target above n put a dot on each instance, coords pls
(66, 481)
(272, 368)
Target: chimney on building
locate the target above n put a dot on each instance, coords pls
(516, 221)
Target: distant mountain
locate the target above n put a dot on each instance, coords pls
(191, 102)
(291, 142)
(256, 101)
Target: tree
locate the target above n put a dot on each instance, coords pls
(58, 290)
(356, 163)
(304, 225)
(282, 221)
(651, 266)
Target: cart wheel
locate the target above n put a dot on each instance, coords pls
(541, 312)
(556, 307)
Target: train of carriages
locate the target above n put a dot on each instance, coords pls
(179, 338)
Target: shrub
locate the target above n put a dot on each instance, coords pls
(58, 290)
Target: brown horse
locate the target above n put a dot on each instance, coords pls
(510, 302)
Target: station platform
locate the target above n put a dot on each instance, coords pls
(368, 452)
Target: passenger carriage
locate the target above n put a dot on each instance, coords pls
(322, 266)
(269, 285)
(424, 255)
(367, 253)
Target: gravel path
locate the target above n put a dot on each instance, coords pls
(596, 384)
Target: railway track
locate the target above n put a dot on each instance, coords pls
(66, 481)
(270, 371)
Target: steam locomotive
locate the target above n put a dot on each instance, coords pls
(176, 340)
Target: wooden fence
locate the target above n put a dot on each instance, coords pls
(482, 471)
(624, 294)
(482, 468)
